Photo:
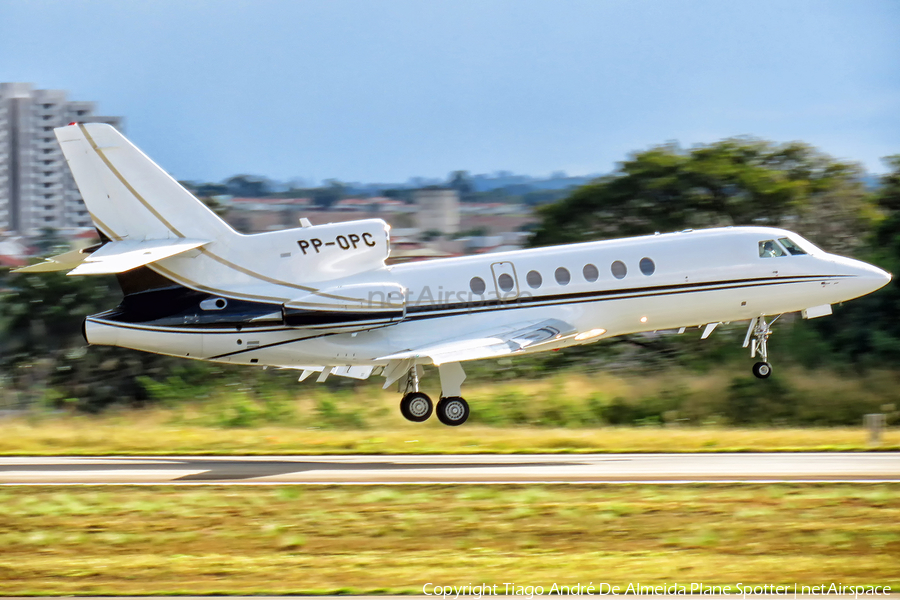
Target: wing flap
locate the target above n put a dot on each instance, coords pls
(124, 255)
(353, 372)
(506, 340)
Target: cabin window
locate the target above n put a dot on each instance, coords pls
(477, 285)
(647, 266)
(506, 283)
(590, 273)
(791, 247)
(562, 276)
(770, 248)
(534, 279)
(619, 270)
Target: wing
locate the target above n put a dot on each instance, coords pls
(506, 340)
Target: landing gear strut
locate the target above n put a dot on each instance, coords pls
(415, 406)
(757, 338)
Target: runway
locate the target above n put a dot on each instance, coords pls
(453, 469)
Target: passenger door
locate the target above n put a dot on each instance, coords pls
(505, 281)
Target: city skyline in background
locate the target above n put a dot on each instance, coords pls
(382, 92)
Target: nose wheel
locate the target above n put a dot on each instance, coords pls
(762, 370)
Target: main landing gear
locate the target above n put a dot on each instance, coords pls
(416, 406)
(757, 338)
(452, 411)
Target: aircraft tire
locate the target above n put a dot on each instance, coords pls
(416, 407)
(762, 370)
(452, 411)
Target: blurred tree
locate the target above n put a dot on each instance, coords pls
(248, 186)
(205, 190)
(736, 181)
(50, 242)
(330, 193)
(462, 183)
(868, 329)
(44, 311)
(214, 205)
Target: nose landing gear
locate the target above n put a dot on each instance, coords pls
(762, 370)
(757, 338)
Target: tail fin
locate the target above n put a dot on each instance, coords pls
(128, 195)
(152, 220)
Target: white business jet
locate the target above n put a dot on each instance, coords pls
(321, 299)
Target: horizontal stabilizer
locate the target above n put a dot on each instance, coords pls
(507, 340)
(60, 262)
(121, 256)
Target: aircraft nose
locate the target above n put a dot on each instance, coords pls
(878, 277)
(869, 277)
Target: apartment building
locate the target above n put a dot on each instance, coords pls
(37, 190)
(437, 209)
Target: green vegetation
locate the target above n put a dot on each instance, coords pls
(669, 412)
(348, 539)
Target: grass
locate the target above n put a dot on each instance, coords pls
(272, 540)
(150, 434)
(563, 413)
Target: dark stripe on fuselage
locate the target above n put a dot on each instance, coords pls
(430, 312)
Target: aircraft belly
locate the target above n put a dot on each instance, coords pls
(186, 344)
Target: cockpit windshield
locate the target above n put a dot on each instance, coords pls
(794, 247)
(770, 248)
(791, 247)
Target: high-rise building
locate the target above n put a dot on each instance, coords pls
(37, 190)
(437, 209)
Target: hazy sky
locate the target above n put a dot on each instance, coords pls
(382, 90)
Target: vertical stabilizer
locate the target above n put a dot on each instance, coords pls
(128, 195)
(143, 210)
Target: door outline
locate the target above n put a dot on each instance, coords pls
(505, 268)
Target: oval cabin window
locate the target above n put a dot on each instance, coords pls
(590, 273)
(506, 282)
(477, 285)
(562, 276)
(647, 266)
(534, 279)
(619, 270)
